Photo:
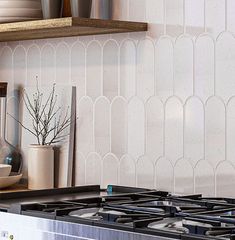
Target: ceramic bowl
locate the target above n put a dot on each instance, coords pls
(5, 170)
(10, 180)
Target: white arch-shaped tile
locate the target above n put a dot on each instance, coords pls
(155, 12)
(183, 67)
(78, 68)
(119, 126)
(62, 63)
(204, 66)
(154, 127)
(183, 177)
(230, 130)
(194, 17)
(26, 44)
(214, 130)
(48, 63)
(164, 67)
(145, 173)
(194, 121)
(204, 178)
(224, 171)
(136, 127)
(174, 17)
(110, 69)
(164, 175)
(215, 16)
(145, 72)
(173, 129)
(128, 68)
(80, 169)
(230, 15)
(102, 125)
(110, 170)
(6, 68)
(12, 127)
(19, 67)
(127, 171)
(85, 132)
(93, 168)
(225, 60)
(94, 85)
(41, 42)
(33, 65)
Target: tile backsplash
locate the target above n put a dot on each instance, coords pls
(155, 109)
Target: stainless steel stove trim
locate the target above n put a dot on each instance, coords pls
(28, 228)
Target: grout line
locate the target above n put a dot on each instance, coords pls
(119, 68)
(205, 28)
(102, 70)
(85, 72)
(164, 17)
(184, 17)
(226, 15)
(215, 77)
(194, 67)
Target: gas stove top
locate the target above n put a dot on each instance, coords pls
(140, 212)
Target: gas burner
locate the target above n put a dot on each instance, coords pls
(170, 224)
(162, 206)
(136, 211)
(96, 213)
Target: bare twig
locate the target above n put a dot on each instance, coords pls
(46, 126)
(22, 125)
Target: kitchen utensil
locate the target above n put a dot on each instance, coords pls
(5, 170)
(51, 8)
(81, 8)
(102, 9)
(66, 12)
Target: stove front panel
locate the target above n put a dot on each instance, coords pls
(19, 227)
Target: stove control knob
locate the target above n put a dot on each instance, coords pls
(11, 237)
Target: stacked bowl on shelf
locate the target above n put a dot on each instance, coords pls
(20, 10)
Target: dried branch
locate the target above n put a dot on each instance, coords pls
(22, 125)
(46, 126)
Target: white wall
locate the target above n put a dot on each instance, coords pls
(155, 109)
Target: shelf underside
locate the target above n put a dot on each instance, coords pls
(65, 27)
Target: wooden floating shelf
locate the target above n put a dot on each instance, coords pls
(65, 27)
(14, 188)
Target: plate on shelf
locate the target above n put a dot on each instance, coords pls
(10, 180)
(20, 4)
(16, 19)
(20, 12)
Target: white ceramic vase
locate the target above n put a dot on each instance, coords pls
(40, 167)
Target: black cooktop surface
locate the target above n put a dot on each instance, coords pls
(130, 209)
